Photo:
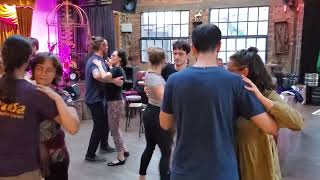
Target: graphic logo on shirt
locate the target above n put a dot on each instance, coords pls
(12, 110)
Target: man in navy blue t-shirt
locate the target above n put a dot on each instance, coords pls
(205, 101)
(95, 98)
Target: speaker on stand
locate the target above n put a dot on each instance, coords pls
(129, 6)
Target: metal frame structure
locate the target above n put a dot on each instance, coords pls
(64, 30)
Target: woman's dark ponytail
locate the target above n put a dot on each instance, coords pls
(13, 60)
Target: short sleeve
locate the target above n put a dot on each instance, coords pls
(92, 66)
(116, 72)
(123, 73)
(46, 107)
(164, 72)
(66, 97)
(153, 80)
(248, 104)
(167, 97)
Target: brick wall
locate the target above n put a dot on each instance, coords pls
(276, 14)
(130, 42)
(298, 39)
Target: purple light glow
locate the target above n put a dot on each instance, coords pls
(64, 55)
(40, 31)
(39, 28)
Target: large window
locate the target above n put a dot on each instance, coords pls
(161, 29)
(242, 28)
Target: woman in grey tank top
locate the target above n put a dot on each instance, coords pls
(153, 133)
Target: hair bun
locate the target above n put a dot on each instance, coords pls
(253, 49)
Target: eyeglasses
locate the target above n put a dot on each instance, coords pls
(47, 70)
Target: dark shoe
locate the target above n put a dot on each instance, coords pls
(126, 154)
(117, 163)
(108, 149)
(96, 158)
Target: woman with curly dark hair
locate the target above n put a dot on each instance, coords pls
(257, 151)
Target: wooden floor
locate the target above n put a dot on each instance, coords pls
(303, 161)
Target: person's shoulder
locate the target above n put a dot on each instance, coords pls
(93, 57)
(166, 68)
(176, 76)
(65, 96)
(26, 85)
(169, 66)
(62, 92)
(89, 61)
(273, 95)
(30, 89)
(230, 76)
(181, 73)
(150, 76)
(118, 69)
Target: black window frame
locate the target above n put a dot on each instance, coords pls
(169, 38)
(245, 37)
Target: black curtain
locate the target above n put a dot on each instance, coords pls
(101, 23)
(310, 38)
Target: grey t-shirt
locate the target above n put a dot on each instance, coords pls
(153, 80)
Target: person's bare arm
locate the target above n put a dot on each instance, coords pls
(99, 73)
(68, 116)
(284, 115)
(265, 122)
(157, 91)
(106, 77)
(167, 121)
(267, 103)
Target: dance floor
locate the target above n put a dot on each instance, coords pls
(303, 159)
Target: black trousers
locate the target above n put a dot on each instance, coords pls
(100, 129)
(155, 135)
(59, 170)
(104, 140)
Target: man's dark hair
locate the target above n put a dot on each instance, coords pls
(97, 42)
(257, 72)
(220, 59)
(206, 37)
(34, 43)
(181, 45)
